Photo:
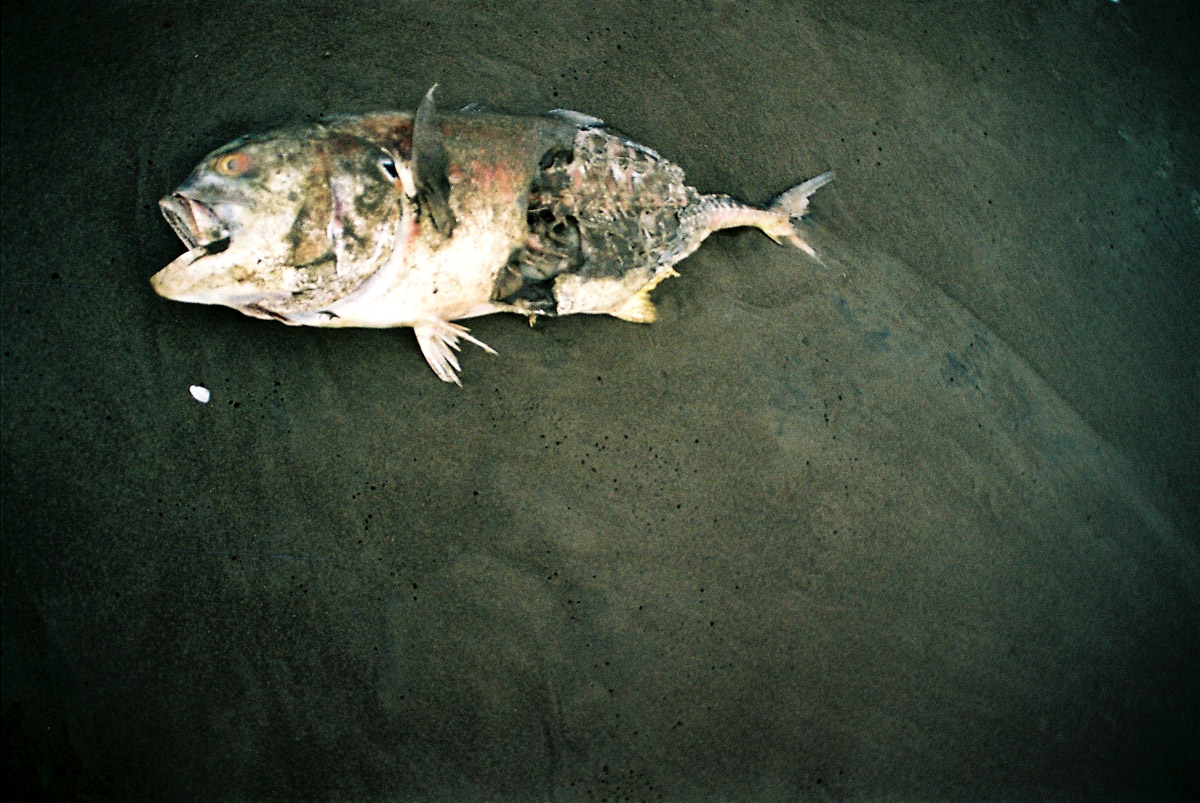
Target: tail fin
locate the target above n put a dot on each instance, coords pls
(790, 206)
(794, 202)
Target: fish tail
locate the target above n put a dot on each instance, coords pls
(794, 202)
(791, 206)
(714, 212)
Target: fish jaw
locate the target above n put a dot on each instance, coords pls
(237, 269)
(193, 222)
(206, 272)
(199, 276)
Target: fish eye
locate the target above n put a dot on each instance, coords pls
(233, 164)
(388, 166)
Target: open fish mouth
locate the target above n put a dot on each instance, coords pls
(194, 223)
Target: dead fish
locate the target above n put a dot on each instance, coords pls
(420, 220)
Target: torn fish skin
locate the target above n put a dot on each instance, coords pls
(422, 219)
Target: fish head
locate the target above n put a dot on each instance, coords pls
(283, 223)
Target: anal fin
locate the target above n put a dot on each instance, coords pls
(438, 340)
(638, 309)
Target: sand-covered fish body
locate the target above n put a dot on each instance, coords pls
(419, 220)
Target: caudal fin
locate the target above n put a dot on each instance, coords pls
(791, 206)
(794, 202)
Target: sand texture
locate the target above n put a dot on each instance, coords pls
(915, 522)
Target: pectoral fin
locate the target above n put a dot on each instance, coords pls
(431, 167)
(438, 340)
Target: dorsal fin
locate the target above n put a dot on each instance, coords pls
(577, 119)
(431, 168)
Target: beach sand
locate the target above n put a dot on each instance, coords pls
(917, 521)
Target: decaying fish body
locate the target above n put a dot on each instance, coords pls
(423, 219)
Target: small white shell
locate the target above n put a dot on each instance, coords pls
(200, 393)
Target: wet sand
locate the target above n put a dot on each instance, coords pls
(914, 522)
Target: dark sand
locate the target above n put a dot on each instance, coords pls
(916, 523)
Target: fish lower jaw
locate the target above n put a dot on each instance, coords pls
(224, 298)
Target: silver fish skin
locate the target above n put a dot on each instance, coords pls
(422, 219)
